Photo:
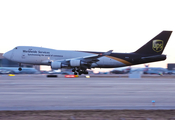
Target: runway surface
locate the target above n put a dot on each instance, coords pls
(37, 92)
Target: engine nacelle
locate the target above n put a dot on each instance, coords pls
(56, 65)
(75, 63)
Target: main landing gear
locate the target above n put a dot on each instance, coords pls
(79, 71)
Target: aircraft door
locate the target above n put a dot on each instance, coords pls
(23, 56)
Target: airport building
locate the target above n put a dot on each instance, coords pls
(7, 63)
(171, 66)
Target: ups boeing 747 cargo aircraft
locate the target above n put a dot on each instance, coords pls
(80, 61)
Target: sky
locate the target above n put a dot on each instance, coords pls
(88, 25)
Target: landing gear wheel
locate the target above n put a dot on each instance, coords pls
(73, 70)
(19, 69)
(75, 73)
(78, 70)
(85, 72)
(80, 73)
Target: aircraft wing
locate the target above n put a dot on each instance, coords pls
(92, 58)
(85, 61)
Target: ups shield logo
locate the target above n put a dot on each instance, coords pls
(157, 45)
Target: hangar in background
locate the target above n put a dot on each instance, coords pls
(7, 63)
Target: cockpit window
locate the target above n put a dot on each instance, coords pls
(15, 48)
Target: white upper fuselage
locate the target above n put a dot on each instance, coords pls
(43, 56)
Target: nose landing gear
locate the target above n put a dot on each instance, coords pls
(19, 67)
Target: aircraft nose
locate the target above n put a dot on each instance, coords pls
(8, 55)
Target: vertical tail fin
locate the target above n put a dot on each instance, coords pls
(156, 45)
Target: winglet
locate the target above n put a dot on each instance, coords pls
(107, 53)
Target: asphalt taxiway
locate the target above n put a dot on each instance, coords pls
(37, 92)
